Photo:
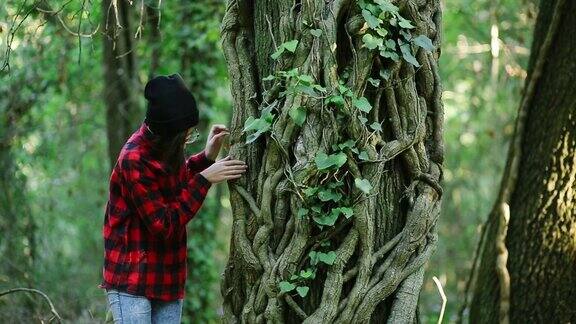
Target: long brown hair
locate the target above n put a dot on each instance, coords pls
(170, 150)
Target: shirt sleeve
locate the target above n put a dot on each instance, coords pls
(163, 218)
(198, 162)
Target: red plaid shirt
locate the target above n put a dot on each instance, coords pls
(145, 221)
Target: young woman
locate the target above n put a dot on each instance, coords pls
(154, 192)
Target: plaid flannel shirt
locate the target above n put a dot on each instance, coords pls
(145, 221)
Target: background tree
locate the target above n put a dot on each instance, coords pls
(336, 215)
(537, 191)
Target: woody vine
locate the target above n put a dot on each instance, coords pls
(328, 132)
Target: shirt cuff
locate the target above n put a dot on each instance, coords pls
(202, 180)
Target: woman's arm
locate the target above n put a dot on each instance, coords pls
(162, 218)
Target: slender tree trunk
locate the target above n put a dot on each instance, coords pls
(538, 193)
(335, 217)
(120, 75)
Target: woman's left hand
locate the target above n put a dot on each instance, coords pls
(217, 135)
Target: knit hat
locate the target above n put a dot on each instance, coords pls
(171, 106)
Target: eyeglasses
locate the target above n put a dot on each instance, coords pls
(192, 136)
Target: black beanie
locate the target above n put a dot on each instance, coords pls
(171, 106)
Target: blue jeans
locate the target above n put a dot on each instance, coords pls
(131, 309)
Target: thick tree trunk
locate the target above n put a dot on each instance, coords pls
(331, 204)
(539, 186)
(120, 75)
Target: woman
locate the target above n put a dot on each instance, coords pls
(154, 193)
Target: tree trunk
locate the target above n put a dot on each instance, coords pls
(335, 217)
(120, 75)
(539, 186)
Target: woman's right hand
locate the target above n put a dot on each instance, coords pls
(224, 169)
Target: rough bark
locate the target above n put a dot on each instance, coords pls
(120, 77)
(539, 185)
(381, 249)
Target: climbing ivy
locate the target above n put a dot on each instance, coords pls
(388, 33)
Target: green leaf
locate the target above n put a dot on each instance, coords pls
(376, 126)
(363, 156)
(260, 125)
(313, 257)
(316, 32)
(371, 42)
(404, 23)
(305, 78)
(363, 184)
(324, 161)
(407, 54)
(374, 82)
(391, 44)
(293, 277)
(310, 191)
(337, 100)
(302, 291)
(381, 31)
(390, 54)
(298, 115)
(372, 21)
(290, 45)
(302, 212)
(424, 42)
(385, 74)
(278, 52)
(286, 286)
(362, 104)
(327, 258)
(269, 78)
(347, 211)
(328, 220)
(327, 195)
(386, 6)
(349, 143)
(306, 274)
(316, 209)
(363, 119)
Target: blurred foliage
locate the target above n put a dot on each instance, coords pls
(55, 170)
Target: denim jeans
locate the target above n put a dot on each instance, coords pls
(131, 309)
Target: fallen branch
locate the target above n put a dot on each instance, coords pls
(36, 291)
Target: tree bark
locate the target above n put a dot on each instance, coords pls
(120, 77)
(377, 271)
(539, 186)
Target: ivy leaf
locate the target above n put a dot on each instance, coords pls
(327, 195)
(374, 82)
(363, 184)
(316, 209)
(372, 21)
(298, 115)
(424, 42)
(305, 78)
(363, 156)
(302, 291)
(337, 100)
(310, 191)
(363, 119)
(390, 54)
(381, 31)
(371, 42)
(328, 220)
(385, 74)
(268, 78)
(347, 211)
(376, 126)
(286, 286)
(349, 143)
(313, 257)
(391, 44)
(290, 45)
(316, 32)
(293, 277)
(363, 104)
(327, 258)
(260, 125)
(306, 274)
(407, 54)
(404, 23)
(324, 161)
(278, 52)
(302, 212)
(386, 6)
